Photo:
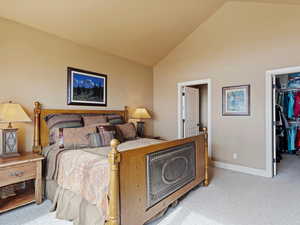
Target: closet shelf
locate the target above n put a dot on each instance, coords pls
(288, 89)
(293, 121)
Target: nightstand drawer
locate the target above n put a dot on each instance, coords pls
(18, 173)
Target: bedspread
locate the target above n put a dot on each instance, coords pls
(85, 174)
(86, 171)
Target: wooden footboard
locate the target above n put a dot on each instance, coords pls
(128, 181)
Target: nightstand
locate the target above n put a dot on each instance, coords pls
(17, 169)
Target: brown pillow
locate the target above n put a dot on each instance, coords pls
(75, 137)
(91, 120)
(113, 129)
(128, 130)
(61, 121)
(103, 137)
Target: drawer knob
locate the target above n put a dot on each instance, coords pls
(17, 174)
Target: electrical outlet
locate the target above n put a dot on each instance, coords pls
(235, 155)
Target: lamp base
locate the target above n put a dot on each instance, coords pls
(9, 155)
(140, 128)
(8, 142)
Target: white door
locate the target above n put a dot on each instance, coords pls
(191, 111)
(274, 125)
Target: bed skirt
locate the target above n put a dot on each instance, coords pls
(72, 207)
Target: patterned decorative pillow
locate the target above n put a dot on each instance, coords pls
(61, 121)
(128, 131)
(91, 120)
(113, 129)
(74, 137)
(94, 140)
(102, 138)
(115, 119)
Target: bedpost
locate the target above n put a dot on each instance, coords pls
(126, 113)
(206, 181)
(37, 148)
(114, 160)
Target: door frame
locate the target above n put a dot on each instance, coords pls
(269, 114)
(209, 104)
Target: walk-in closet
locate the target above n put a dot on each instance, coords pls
(286, 106)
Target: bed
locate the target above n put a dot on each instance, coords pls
(143, 180)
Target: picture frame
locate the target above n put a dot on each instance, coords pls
(86, 88)
(236, 100)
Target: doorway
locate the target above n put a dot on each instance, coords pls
(194, 109)
(282, 120)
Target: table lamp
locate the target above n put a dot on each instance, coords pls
(140, 114)
(9, 113)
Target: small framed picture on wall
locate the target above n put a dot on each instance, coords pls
(86, 88)
(236, 100)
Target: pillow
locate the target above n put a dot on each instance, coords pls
(54, 121)
(63, 120)
(100, 124)
(91, 120)
(94, 140)
(128, 130)
(102, 138)
(115, 119)
(110, 128)
(74, 137)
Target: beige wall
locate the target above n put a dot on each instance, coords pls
(235, 46)
(33, 67)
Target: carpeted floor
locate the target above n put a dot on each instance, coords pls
(231, 199)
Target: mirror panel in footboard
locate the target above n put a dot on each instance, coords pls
(153, 177)
(169, 170)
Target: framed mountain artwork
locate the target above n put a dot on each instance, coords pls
(86, 88)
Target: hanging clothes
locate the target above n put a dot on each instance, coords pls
(297, 105)
(292, 139)
(278, 115)
(285, 123)
(291, 103)
(294, 83)
(285, 103)
(282, 126)
(298, 139)
(281, 119)
(280, 99)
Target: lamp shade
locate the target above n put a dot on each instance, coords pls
(11, 112)
(141, 113)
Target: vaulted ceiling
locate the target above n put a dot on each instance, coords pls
(143, 31)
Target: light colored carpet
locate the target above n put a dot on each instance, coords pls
(231, 199)
(25, 214)
(49, 219)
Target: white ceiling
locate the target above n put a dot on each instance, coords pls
(143, 31)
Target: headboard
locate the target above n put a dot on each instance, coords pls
(41, 132)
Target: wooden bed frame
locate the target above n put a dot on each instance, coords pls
(128, 174)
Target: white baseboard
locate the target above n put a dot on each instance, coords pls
(238, 168)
